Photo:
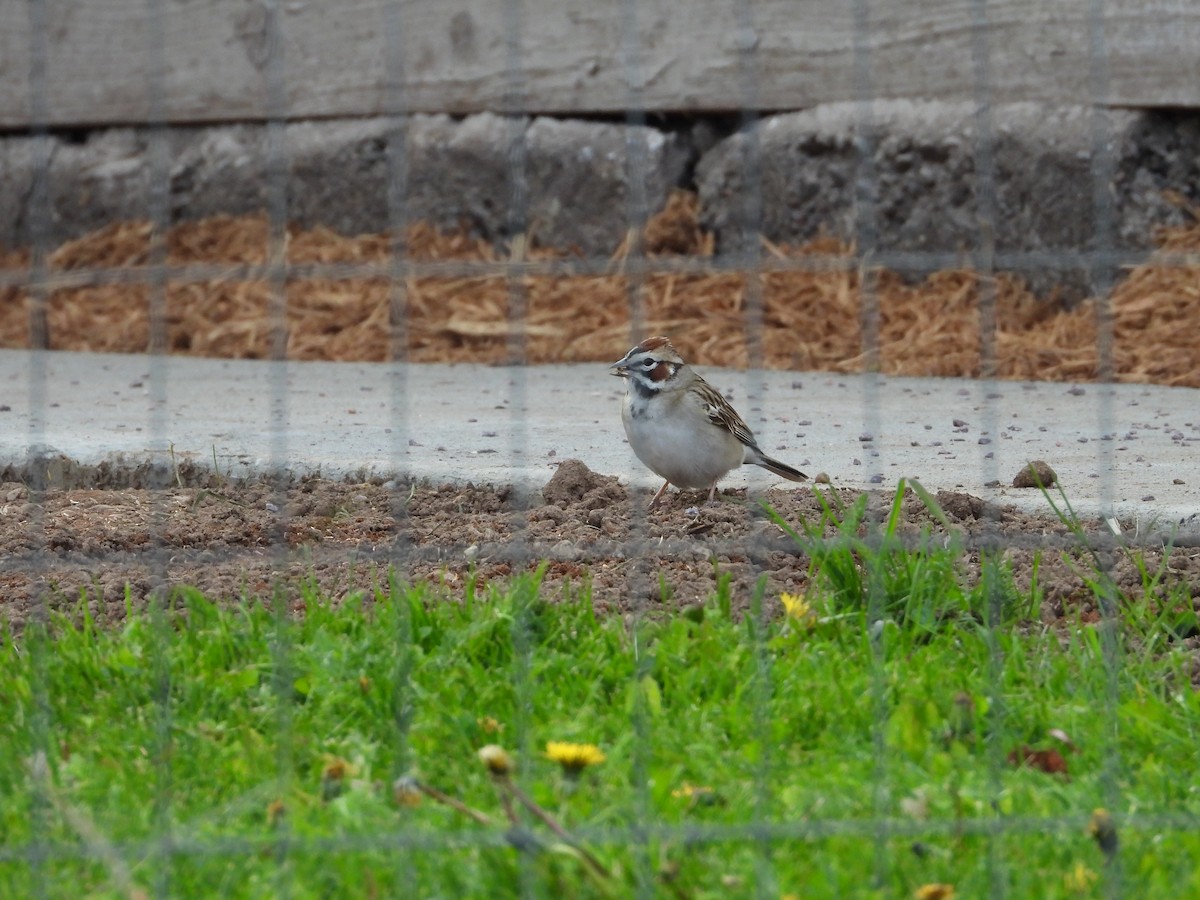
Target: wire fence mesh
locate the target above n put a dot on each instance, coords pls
(514, 540)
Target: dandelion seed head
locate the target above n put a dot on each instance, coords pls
(497, 759)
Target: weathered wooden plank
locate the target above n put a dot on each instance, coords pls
(578, 56)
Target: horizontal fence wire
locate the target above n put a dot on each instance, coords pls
(1102, 261)
(692, 834)
(51, 279)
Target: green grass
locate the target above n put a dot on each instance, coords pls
(859, 751)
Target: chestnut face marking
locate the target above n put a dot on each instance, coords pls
(662, 372)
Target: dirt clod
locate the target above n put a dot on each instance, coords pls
(573, 482)
(960, 506)
(1035, 474)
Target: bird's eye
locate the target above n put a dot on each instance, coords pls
(648, 364)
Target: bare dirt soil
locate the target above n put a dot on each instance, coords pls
(254, 540)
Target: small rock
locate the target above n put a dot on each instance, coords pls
(1035, 473)
(959, 423)
(1173, 481)
(821, 478)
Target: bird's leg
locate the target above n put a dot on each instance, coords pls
(712, 492)
(662, 490)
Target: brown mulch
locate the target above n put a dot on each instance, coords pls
(811, 320)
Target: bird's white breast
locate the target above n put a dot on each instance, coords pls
(672, 436)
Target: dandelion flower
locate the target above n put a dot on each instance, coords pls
(497, 760)
(574, 758)
(797, 608)
(935, 892)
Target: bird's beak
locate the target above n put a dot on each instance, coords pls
(619, 368)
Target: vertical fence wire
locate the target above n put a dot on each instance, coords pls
(750, 230)
(276, 175)
(41, 646)
(985, 390)
(158, 187)
(637, 211)
(518, 226)
(866, 239)
(405, 700)
(1102, 277)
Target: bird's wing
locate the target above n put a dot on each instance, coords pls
(721, 414)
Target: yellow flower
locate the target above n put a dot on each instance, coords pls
(574, 758)
(935, 892)
(497, 760)
(689, 790)
(1080, 879)
(797, 608)
(699, 795)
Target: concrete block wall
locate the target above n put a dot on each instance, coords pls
(1037, 185)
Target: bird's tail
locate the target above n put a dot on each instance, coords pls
(783, 470)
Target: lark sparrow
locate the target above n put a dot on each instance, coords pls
(680, 426)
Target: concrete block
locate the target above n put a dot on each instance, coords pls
(573, 183)
(913, 178)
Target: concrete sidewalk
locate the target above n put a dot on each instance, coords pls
(1131, 450)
